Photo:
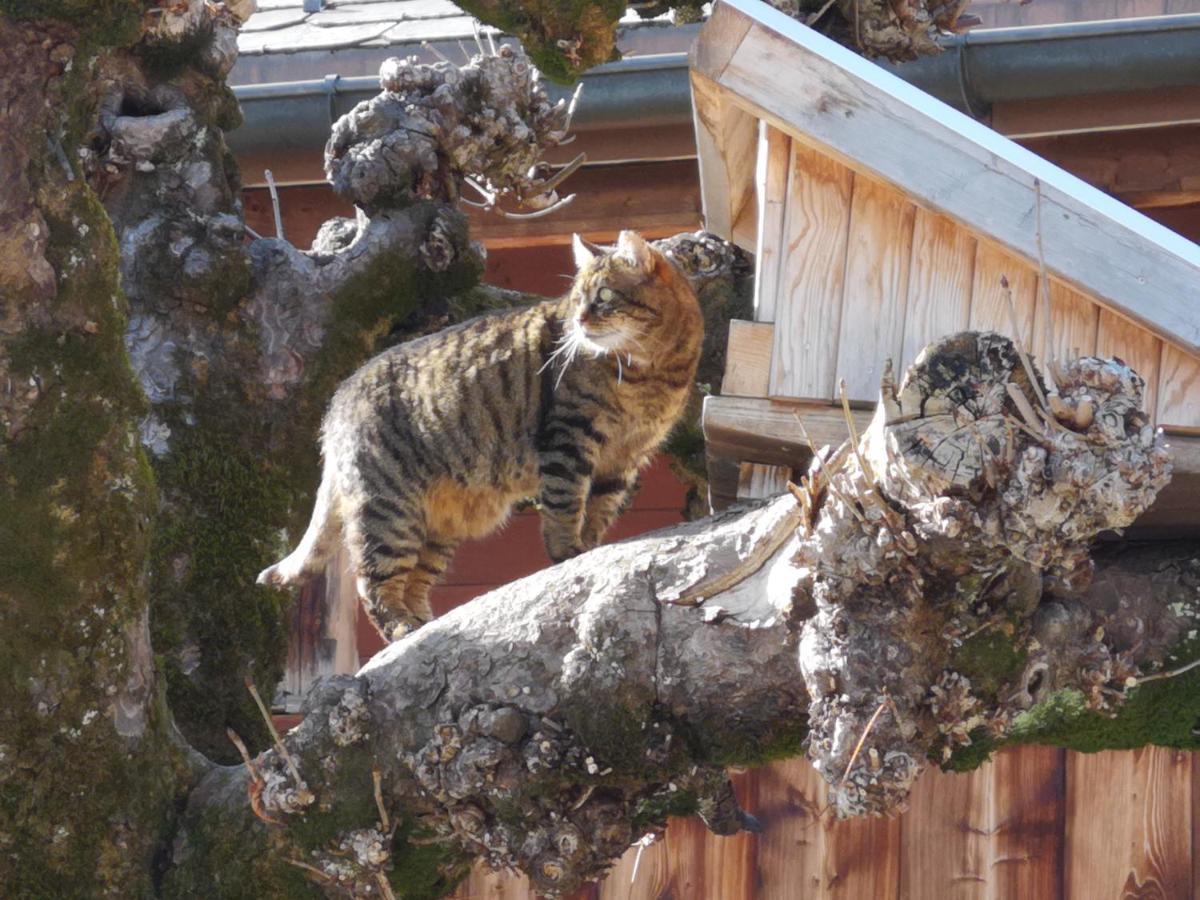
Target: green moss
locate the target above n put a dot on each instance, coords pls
(233, 859)
(83, 809)
(102, 23)
(657, 808)
(590, 27)
(990, 660)
(972, 756)
(424, 868)
(1163, 713)
(737, 747)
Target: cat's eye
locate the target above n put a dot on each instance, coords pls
(606, 295)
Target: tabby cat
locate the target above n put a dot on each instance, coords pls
(433, 441)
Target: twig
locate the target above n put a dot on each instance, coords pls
(438, 53)
(1157, 676)
(1048, 323)
(837, 492)
(312, 870)
(536, 214)
(385, 886)
(868, 473)
(274, 203)
(384, 822)
(1024, 408)
(861, 740)
(575, 95)
(643, 842)
(245, 754)
(812, 19)
(1020, 344)
(587, 794)
(56, 148)
(266, 714)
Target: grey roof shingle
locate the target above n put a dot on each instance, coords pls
(282, 26)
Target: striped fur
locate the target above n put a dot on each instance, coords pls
(433, 441)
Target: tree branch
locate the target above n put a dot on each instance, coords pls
(547, 724)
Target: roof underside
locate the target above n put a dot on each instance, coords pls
(752, 63)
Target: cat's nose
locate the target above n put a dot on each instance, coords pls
(583, 318)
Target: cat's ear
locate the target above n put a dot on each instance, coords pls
(634, 251)
(584, 252)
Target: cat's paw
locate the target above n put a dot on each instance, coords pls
(274, 575)
(562, 554)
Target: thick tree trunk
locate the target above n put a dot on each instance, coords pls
(89, 778)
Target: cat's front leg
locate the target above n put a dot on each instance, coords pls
(565, 470)
(609, 497)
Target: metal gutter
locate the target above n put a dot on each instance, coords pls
(1072, 59)
(647, 92)
(640, 92)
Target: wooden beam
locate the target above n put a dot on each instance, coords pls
(726, 146)
(847, 107)
(756, 481)
(747, 429)
(747, 359)
(772, 432)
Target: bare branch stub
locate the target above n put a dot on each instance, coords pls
(990, 517)
(434, 126)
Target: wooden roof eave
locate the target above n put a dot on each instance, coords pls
(752, 63)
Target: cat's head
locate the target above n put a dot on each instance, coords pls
(630, 299)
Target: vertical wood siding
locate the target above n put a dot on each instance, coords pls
(863, 275)
(1035, 823)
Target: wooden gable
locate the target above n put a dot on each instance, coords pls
(882, 219)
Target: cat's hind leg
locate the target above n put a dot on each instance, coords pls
(385, 537)
(432, 563)
(319, 543)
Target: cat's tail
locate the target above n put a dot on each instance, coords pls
(319, 543)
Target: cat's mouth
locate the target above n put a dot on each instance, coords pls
(602, 341)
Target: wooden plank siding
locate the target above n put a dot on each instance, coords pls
(1129, 824)
(1035, 822)
(864, 275)
(813, 268)
(847, 109)
(771, 187)
(878, 260)
(940, 280)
